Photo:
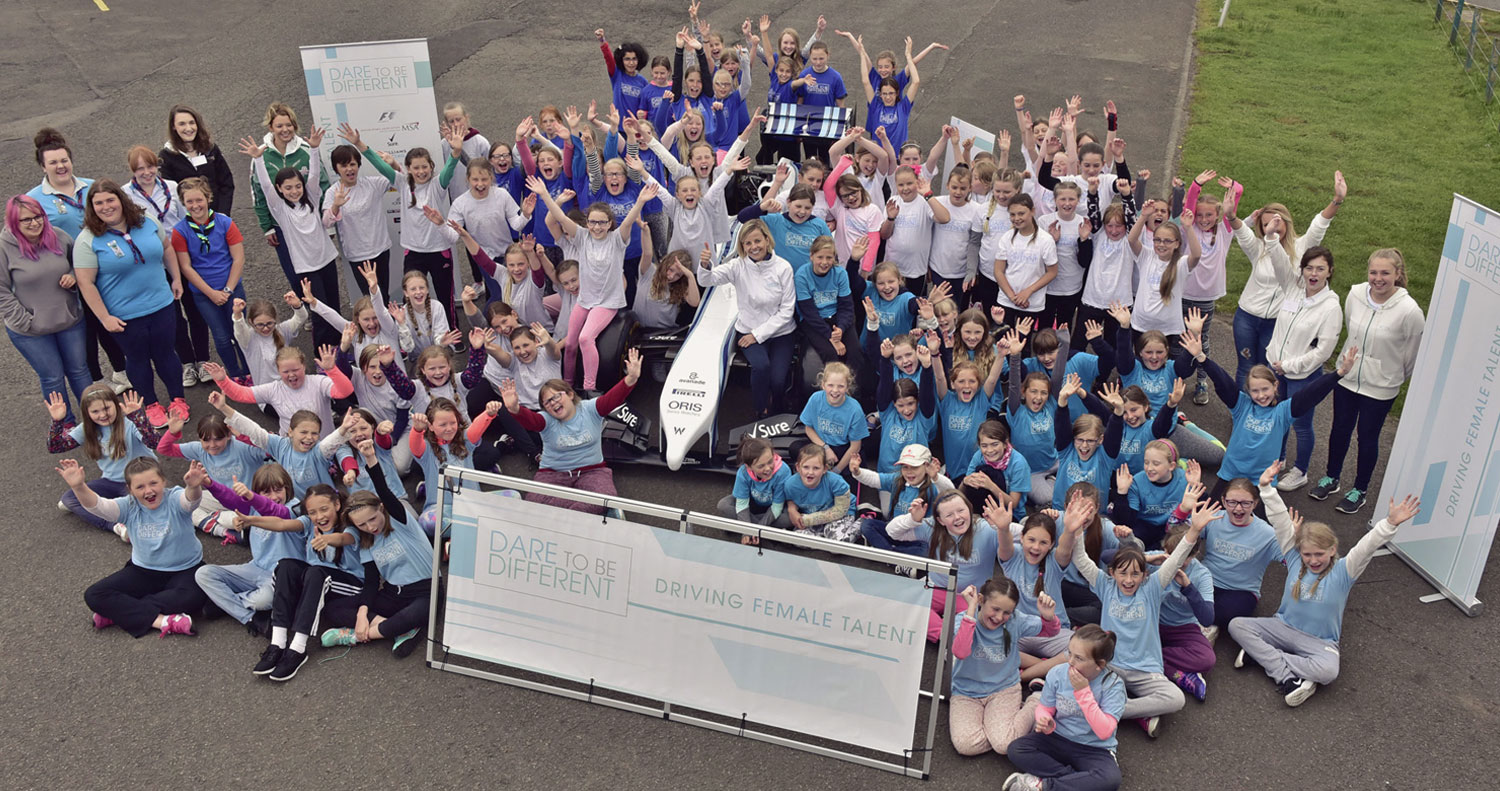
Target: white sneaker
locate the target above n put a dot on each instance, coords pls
(122, 532)
(1210, 633)
(1301, 692)
(118, 382)
(189, 375)
(62, 506)
(203, 375)
(1292, 481)
(1239, 659)
(1020, 781)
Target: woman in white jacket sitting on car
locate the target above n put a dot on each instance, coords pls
(1386, 324)
(1307, 330)
(765, 296)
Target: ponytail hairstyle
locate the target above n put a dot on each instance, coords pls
(1319, 536)
(983, 170)
(1264, 373)
(1169, 275)
(1039, 521)
(1153, 336)
(1035, 376)
(751, 449)
(256, 308)
(1025, 200)
(1315, 252)
(942, 545)
(1000, 585)
(1165, 446)
(1392, 255)
(887, 268)
(411, 314)
(1093, 535)
(927, 488)
(358, 500)
(457, 447)
(905, 388)
(91, 430)
(364, 304)
(1244, 485)
(1101, 644)
(411, 181)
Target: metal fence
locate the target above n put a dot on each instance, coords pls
(1473, 45)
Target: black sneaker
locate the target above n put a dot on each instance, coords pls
(268, 660)
(259, 624)
(1326, 487)
(1351, 502)
(1296, 690)
(290, 662)
(408, 642)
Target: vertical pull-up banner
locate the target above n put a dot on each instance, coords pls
(383, 89)
(775, 638)
(1446, 446)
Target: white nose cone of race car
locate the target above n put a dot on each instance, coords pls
(690, 396)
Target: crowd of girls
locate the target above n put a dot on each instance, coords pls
(1004, 352)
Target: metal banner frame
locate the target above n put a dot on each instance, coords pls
(454, 478)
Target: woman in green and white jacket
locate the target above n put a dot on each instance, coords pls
(1386, 324)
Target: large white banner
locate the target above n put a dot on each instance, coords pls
(983, 141)
(383, 89)
(780, 639)
(1446, 445)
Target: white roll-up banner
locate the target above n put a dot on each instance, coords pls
(1446, 445)
(775, 638)
(983, 141)
(383, 89)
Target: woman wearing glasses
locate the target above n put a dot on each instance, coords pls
(38, 300)
(130, 280)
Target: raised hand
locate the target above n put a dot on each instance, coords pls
(196, 474)
(1194, 472)
(1398, 513)
(1120, 313)
(327, 356)
(307, 293)
(419, 421)
(1192, 342)
(250, 148)
(315, 137)
(1123, 479)
(999, 514)
(1179, 389)
(71, 472)
(1092, 329)
(1269, 476)
(56, 406)
(1109, 393)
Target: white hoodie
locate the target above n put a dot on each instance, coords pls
(1387, 335)
(1273, 273)
(1307, 329)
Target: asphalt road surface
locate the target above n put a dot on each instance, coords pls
(1414, 706)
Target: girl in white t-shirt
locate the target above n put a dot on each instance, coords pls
(909, 220)
(1161, 272)
(600, 252)
(1070, 230)
(1024, 264)
(991, 220)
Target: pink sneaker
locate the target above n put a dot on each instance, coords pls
(178, 624)
(178, 408)
(100, 622)
(156, 416)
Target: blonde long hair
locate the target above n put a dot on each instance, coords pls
(1320, 536)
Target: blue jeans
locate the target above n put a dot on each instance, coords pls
(152, 340)
(770, 365)
(220, 321)
(874, 532)
(59, 359)
(1302, 426)
(1205, 307)
(1251, 336)
(240, 591)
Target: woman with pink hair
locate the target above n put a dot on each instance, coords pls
(39, 299)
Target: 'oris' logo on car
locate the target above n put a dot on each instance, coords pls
(685, 406)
